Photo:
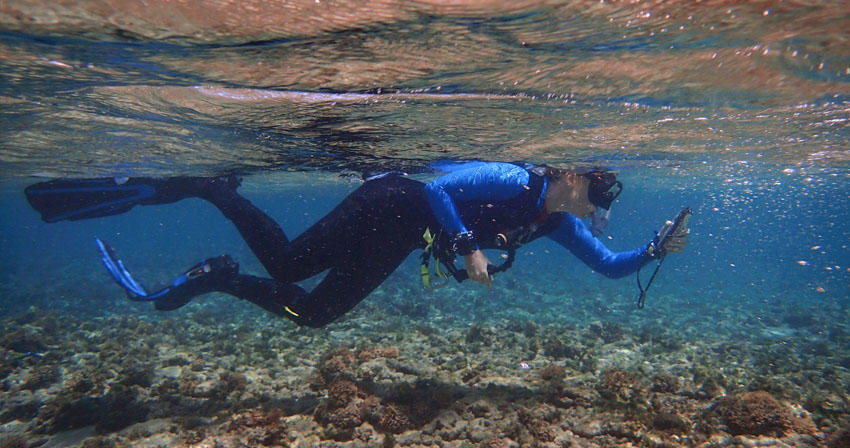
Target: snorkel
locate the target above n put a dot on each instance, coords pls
(599, 221)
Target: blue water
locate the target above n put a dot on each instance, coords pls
(737, 111)
(759, 242)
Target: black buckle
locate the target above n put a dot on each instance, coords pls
(464, 243)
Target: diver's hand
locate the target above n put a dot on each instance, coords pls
(675, 242)
(476, 267)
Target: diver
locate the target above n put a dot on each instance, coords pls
(482, 205)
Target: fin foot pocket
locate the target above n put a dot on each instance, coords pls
(209, 275)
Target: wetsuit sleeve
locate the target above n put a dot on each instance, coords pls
(481, 182)
(574, 235)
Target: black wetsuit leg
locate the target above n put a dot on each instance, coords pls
(361, 242)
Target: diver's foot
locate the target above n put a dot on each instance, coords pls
(173, 189)
(213, 274)
(217, 187)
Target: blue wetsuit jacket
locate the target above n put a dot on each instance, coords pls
(492, 199)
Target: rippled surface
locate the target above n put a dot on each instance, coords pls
(116, 87)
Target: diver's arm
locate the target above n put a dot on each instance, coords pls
(482, 181)
(574, 235)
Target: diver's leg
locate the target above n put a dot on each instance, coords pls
(372, 255)
(261, 233)
(342, 289)
(365, 218)
(269, 294)
(363, 241)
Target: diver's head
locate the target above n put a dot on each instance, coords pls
(581, 192)
(603, 188)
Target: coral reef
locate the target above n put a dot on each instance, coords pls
(618, 385)
(756, 413)
(258, 428)
(213, 376)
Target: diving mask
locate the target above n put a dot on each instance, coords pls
(603, 189)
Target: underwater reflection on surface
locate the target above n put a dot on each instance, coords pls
(243, 86)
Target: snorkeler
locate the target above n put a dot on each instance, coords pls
(482, 205)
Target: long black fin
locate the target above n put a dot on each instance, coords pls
(73, 199)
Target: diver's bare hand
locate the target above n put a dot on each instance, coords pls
(476, 267)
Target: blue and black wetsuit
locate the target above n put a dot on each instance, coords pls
(496, 199)
(367, 236)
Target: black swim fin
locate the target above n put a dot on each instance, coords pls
(73, 199)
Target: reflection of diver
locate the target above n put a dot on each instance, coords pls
(365, 238)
